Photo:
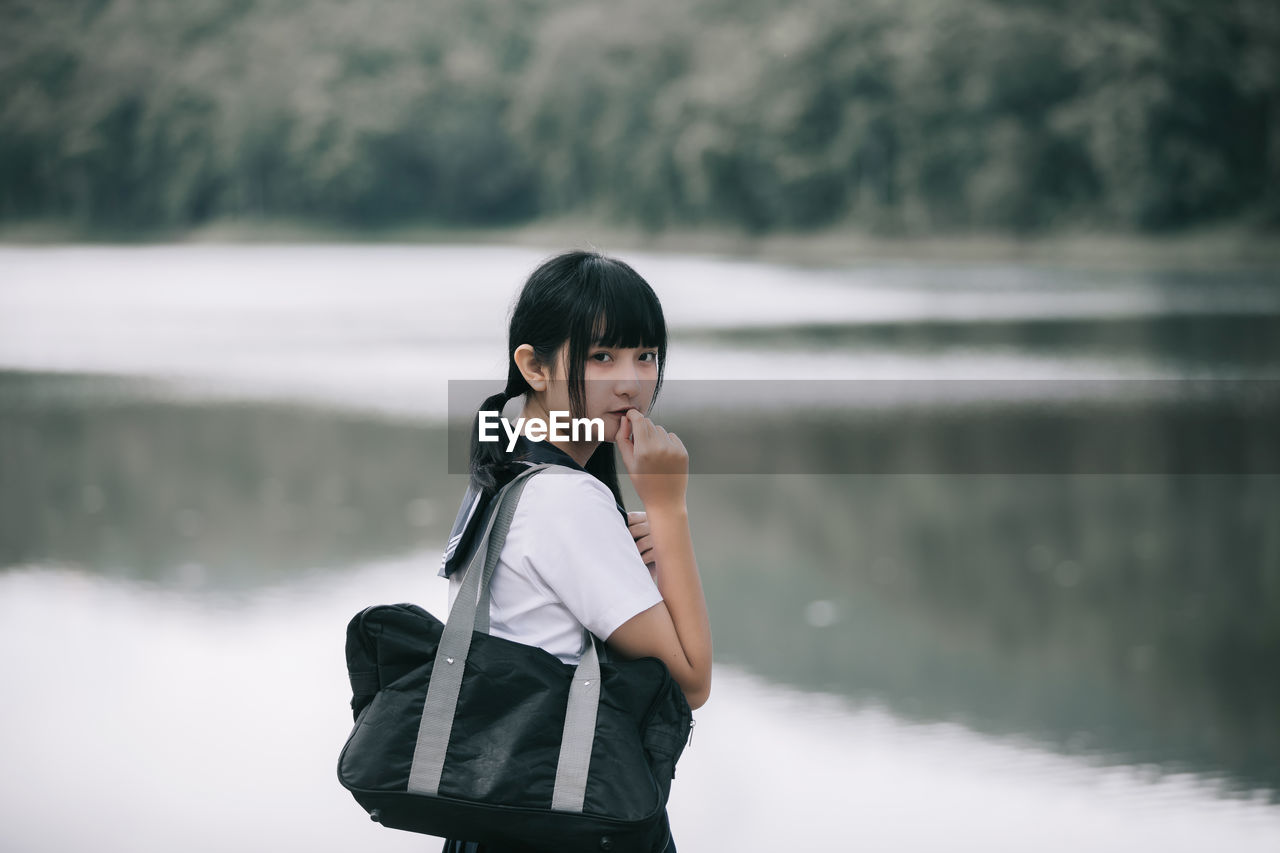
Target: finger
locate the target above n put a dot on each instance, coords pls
(627, 431)
(624, 442)
(642, 444)
(640, 425)
(636, 516)
(624, 431)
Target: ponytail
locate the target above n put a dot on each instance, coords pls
(489, 458)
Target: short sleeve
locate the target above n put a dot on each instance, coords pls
(576, 541)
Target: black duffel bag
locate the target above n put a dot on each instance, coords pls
(460, 734)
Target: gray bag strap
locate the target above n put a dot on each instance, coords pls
(455, 643)
(441, 701)
(579, 732)
(498, 538)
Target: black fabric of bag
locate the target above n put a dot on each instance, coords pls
(500, 763)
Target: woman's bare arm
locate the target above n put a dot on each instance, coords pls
(677, 631)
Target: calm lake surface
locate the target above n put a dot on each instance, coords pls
(991, 552)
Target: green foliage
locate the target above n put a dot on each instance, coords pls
(918, 116)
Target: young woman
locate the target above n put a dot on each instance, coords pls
(587, 336)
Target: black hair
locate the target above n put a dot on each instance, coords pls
(587, 299)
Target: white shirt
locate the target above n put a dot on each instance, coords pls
(569, 561)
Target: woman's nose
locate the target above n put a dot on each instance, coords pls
(627, 382)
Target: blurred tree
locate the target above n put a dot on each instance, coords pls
(919, 115)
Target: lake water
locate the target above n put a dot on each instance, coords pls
(942, 618)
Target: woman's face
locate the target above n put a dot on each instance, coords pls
(617, 379)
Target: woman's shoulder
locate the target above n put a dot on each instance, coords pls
(561, 483)
(559, 506)
(560, 497)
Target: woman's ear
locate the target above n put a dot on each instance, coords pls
(534, 372)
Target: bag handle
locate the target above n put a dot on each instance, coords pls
(441, 702)
(471, 606)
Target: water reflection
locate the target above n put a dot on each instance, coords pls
(209, 494)
(924, 630)
(176, 722)
(1231, 342)
(1121, 616)
(1116, 616)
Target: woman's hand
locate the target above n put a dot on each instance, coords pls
(656, 460)
(676, 630)
(638, 524)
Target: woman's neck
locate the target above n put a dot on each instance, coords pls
(578, 451)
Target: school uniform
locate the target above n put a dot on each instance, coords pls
(568, 561)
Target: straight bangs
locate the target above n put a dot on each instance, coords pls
(629, 314)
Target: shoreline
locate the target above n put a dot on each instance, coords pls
(1225, 247)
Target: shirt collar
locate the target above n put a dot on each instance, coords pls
(538, 452)
(472, 513)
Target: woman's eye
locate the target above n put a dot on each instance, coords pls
(601, 356)
(651, 356)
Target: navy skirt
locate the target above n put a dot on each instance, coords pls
(454, 846)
